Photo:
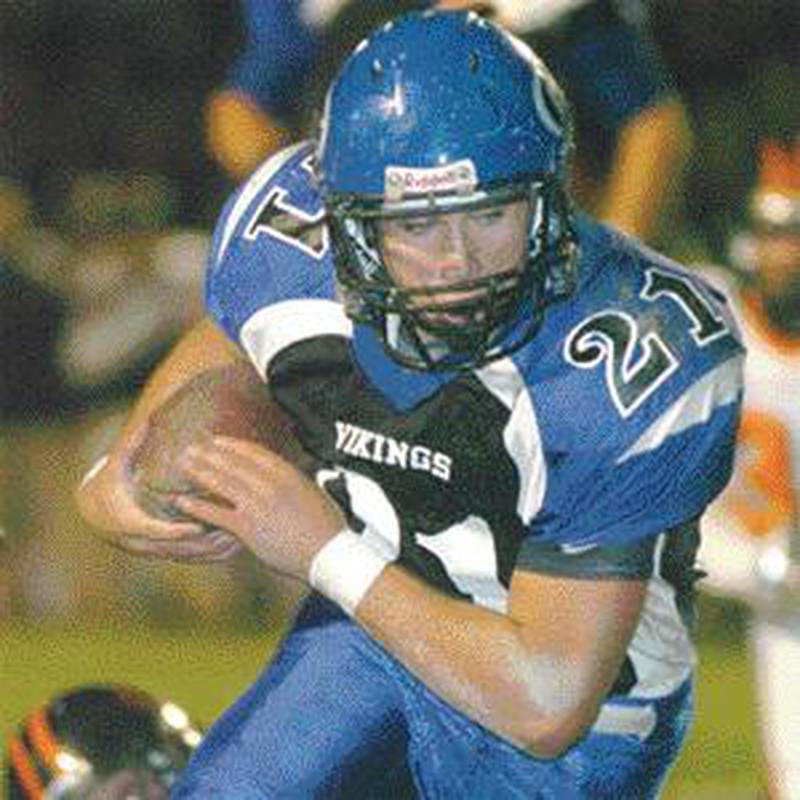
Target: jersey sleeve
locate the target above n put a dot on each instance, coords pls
(611, 511)
(640, 436)
(269, 280)
(279, 50)
(610, 66)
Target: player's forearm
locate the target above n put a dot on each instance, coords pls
(647, 169)
(239, 134)
(480, 663)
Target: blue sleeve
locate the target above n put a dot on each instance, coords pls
(611, 68)
(666, 476)
(637, 423)
(278, 53)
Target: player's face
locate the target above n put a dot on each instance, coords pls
(435, 251)
(778, 259)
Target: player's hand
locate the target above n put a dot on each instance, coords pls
(107, 500)
(278, 513)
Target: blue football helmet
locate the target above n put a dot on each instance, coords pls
(444, 111)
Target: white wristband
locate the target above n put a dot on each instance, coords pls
(345, 568)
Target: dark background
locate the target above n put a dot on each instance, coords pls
(88, 85)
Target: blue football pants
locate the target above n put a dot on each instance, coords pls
(334, 716)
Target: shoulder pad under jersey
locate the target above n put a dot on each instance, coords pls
(635, 387)
(271, 256)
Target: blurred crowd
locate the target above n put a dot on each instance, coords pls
(126, 125)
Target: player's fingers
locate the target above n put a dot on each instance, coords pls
(188, 550)
(214, 470)
(242, 457)
(217, 545)
(259, 469)
(212, 513)
(152, 528)
(225, 551)
(222, 541)
(249, 454)
(206, 556)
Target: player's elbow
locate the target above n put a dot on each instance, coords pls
(549, 719)
(549, 736)
(552, 738)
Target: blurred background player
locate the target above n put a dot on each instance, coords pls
(263, 103)
(99, 742)
(83, 319)
(633, 136)
(752, 534)
(633, 133)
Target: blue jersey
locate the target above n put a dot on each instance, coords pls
(608, 66)
(282, 45)
(590, 452)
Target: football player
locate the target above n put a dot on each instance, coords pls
(519, 416)
(99, 742)
(752, 535)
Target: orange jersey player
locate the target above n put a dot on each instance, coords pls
(752, 534)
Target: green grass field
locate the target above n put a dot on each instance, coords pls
(204, 669)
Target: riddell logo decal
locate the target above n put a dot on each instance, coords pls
(400, 182)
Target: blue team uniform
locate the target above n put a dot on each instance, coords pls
(590, 452)
(282, 44)
(608, 65)
(278, 50)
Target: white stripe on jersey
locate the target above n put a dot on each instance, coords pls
(250, 191)
(715, 389)
(275, 327)
(661, 650)
(521, 435)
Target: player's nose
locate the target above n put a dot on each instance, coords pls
(455, 262)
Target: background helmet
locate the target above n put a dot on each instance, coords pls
(768, 253)
(99, 742)
(775, 202)
(441, 111)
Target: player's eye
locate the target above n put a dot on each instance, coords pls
(416, 225)
(488, 215)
